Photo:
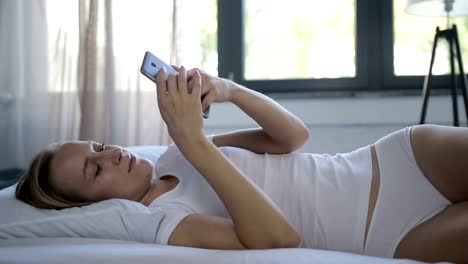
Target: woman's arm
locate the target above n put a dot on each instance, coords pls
(280, 132)
(253, 139)
(257, 221)
(280, 127)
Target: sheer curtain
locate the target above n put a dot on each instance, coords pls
(71, 72)
(24, 101)
(105, 42)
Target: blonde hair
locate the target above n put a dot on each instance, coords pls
(34, 187)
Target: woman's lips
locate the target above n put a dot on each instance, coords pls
(131, 163)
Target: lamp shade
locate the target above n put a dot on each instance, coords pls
(437, 7)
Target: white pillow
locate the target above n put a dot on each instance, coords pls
(111, 219)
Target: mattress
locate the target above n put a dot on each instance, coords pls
(84, 250)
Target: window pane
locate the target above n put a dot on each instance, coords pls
(299, 39)
(198, 34)
(413, 40)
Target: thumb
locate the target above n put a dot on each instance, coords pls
(177, 68)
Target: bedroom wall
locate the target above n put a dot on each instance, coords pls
(344, 124)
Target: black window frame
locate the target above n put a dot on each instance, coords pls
(374, 56)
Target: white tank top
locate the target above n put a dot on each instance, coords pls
(324, 197)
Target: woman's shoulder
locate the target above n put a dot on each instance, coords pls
(172, 162)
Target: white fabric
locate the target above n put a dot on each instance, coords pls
(25, 122)
(111, 219)
(174, 210)
(90, 251)
(324, 197)
(406, 198)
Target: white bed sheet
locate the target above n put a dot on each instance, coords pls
(84, 250)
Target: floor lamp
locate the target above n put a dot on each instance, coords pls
(446, 8)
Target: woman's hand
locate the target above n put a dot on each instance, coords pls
(179, 107)
(214, 88)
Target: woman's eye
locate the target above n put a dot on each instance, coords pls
(103, 147)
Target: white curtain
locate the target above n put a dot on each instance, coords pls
(70, 71)
(24, 104)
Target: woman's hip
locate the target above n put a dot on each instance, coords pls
(405, 197)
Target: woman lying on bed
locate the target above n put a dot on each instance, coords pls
(406, 196)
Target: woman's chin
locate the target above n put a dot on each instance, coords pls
(143, 166)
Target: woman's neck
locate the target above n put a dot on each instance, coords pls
(151, 193)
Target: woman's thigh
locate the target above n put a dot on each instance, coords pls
(441, 153)
(443, 237)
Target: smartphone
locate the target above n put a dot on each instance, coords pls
(151, 66)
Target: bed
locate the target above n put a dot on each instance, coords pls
(84, 250)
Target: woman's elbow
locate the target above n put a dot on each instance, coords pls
(298, 141)
(293, 241)
(305, 135)
(288, 238)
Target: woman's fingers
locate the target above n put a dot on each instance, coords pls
(191, 72)
(197, 85)
(161, 83)
(176, 87)
(172, 85)
(208, 99)
(190, 86)
(182, 81)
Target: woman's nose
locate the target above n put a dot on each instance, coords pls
(114, 155)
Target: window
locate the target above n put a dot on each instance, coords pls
(290, 44)
(197, 32)
(328, 46)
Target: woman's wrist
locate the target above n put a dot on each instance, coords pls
(182, 138)
(194, 139)
(235, 90)
(191, 147)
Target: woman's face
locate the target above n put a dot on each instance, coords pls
(82, 169)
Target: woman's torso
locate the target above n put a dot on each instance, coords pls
(302, 203)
